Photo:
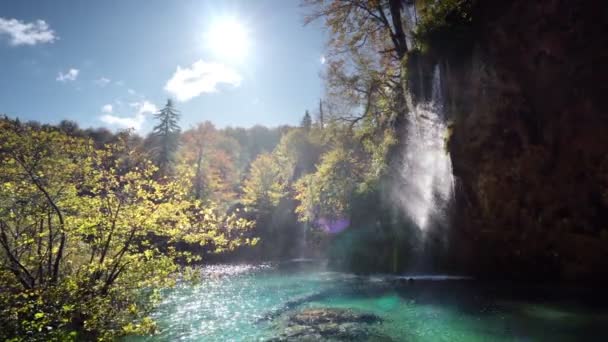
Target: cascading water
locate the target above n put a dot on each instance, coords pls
(426, 174)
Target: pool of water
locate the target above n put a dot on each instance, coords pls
(249, 303)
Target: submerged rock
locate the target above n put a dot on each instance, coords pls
(324, 324)
(320, 316)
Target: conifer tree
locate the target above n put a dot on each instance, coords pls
(306, 121)
(166, 137)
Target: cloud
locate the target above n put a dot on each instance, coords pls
(131, 91)
(71, 75)
(132, 122)
(107, 108)
(136, 121)
(102, 82)
(22, 33)
(322, 59)
(146, 107)
(201, 77)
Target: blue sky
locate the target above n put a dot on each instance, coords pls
(111, 63)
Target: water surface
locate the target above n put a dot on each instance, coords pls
(250, 303)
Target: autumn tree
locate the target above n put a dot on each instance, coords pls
(210, 156)
(368, 46)
(83, 230)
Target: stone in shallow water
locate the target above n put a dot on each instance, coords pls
(329, 325)
(319, 316)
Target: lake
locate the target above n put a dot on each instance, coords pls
(304, 301)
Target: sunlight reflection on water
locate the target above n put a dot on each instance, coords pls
(247, 303)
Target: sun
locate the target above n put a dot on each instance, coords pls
(228, 39)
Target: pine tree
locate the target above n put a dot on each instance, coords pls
(306, 122)
(166, 135)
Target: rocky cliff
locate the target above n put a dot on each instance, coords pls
(529, 138)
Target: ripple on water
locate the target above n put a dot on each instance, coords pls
(244, 303)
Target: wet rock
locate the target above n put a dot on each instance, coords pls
(320, 316)
(323, 324)
(528, 142)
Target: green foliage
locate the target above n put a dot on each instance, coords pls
(265, 185)
(298, 152)
(353, 163)
(327, 192)
(253, 141)
(446, 27)
(268, 193)
(88, 236)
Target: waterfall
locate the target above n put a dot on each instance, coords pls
(427, 183)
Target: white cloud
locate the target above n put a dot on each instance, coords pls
(107, 108)
(136, 121)
(71, 75)
(102, 82)
(22, 33)
(146, 107)
(201, 77)
(120, 83)
(322, 59)
(131, 91)
(132, 122)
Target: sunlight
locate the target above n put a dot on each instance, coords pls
(228, 39)
(304, 170)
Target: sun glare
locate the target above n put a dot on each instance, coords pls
(228, 39)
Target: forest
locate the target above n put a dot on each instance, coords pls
(96, 216)
(432, 151)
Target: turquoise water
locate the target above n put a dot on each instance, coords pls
(250, 303)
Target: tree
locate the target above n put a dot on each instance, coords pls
(166, 134)
(368, 47)
(39, 173)
(195, 143)
(253, 141)
(265, 184)
(328, 192)
(210, 155)
(70, 127)
(297, 153)
(306, 123)
(321, 115)
(84, 230)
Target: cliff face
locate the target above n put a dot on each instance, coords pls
(529, 140)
